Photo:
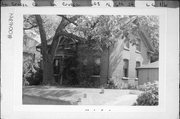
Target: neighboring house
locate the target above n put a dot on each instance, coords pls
(75, 63)
(148, 73)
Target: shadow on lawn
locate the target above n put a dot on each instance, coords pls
(48, 92)
(58, 93)
(47, 96)
(33, 100)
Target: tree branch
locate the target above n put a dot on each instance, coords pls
(30, 23)
(73, 36)
(70, 20)
(55, 41)
(34, 26)
(60, 32)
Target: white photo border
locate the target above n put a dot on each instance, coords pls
(12, 63)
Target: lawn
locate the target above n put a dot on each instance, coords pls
(77, 96)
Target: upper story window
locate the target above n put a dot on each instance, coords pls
(138, 45)
(126, 43)
(125, 67)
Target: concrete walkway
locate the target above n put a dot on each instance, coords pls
(78, 96)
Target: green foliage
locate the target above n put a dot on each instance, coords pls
(150, 96)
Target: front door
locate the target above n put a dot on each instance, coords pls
(70, 72)
(65, 70)
(58, 69)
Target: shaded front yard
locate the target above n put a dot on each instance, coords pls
(77, 96)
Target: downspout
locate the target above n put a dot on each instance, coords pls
(108, 66)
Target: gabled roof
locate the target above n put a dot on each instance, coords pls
(146, 39)
(49, 41)
(143, 35)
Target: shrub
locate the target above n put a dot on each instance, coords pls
(36, 77)
(132, 86)
(110, 85)
(149, 96)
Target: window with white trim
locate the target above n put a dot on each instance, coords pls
(138, 64)
(125, 67)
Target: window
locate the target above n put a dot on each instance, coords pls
(126, 43)
(138, 64)
(96, 68)
(125, 67)
(138, 45)
(56, 66)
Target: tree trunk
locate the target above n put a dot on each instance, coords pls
(48, 78)
(104, 67)
(48, 73)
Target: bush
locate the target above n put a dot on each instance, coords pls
(149, 96)
(110, 85)
(132, 87)
(36, 77)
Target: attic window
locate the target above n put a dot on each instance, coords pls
(138, 45)
(126, 43)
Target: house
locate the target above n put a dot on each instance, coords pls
(121, 60)
(76, 64)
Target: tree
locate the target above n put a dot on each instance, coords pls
(49, 53)
(101, 31)
(45, 27)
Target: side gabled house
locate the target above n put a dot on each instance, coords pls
(121, 60)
